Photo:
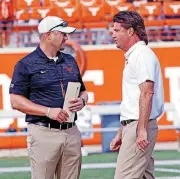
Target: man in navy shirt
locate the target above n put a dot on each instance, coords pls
(38, 89)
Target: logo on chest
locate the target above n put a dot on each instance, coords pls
(69, 69)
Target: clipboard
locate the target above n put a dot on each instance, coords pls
(72, 92)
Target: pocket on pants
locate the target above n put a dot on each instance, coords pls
(29, 138)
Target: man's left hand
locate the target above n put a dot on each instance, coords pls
(142, 141)
(76, 105)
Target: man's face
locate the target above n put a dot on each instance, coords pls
(58, 39)
(120, 35)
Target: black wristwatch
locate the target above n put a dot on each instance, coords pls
(84, 102)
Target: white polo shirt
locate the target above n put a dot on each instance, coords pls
(141, 65)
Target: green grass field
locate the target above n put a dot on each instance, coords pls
(104, 173)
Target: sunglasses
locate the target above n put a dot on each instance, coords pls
(63, 24)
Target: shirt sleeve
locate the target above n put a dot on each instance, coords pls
(20, 83)
(146, 66)
(83, 88)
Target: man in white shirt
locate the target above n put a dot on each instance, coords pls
(143, 99)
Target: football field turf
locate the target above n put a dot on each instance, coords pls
(168, 166)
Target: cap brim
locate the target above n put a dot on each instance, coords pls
(66, 30)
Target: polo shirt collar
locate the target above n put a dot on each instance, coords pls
(127, 54)
(45, 58)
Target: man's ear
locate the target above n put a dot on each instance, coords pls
(48, 35)
(130, 31)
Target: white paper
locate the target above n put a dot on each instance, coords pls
(72, 92)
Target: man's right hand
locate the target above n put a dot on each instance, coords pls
(115, 144)
(58, 114)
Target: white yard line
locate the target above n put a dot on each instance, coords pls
(167, 162)
(167, 170)
(15, 169)
(104, 165)
(167, 177)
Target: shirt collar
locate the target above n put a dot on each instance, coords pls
(127, 54)
(45, 58)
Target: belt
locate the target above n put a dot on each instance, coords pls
(125, 122)
(61, 126)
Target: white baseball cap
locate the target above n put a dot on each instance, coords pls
(52, 23)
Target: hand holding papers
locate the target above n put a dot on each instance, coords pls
(72, 92)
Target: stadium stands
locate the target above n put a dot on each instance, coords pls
(172, 20)
(152, 12)
(92, 18)
(6, 16)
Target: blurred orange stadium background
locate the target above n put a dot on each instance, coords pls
(110, 62)
(104, 63)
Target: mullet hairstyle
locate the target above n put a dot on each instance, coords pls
(132, 19)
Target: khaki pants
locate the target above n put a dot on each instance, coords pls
(54, 152)
(132, 163)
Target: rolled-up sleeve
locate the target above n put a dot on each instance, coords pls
(20, 83)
